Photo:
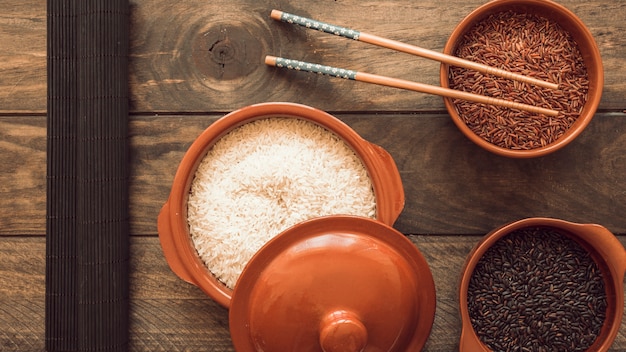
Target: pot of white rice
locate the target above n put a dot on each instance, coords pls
(258, 171)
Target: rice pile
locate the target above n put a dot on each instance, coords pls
(530, 45)
(264, 177)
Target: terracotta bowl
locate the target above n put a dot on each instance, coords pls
(568, 21)
(604, 248)
(334, 284)
(176, 242)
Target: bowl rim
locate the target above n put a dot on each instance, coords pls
(173, 231)
(583, 35)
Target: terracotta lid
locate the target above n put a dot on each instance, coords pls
(336, 283)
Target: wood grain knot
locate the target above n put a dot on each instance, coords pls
(227, 52)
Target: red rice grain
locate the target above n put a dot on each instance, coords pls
(533, 46)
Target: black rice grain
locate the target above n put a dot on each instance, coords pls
(536, 289)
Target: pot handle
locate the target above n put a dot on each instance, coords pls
(168, 245)
(388, 172)
(609, 246)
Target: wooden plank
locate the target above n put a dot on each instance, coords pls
(451, 185)
(179, 325)
(23, 176)
(168, 314)
(23, 56)
(163, 307)
(158, 145)
(22, 293)
(208, 56)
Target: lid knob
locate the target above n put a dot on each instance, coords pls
(342, 331)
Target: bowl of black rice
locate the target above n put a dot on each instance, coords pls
(543, 284)
(537, 38)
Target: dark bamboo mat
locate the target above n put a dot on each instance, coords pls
(87, 250)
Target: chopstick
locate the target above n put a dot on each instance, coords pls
(400, 83)
(407, 48)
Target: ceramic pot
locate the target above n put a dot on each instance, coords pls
(604, 248)
(178, 248)
(568, 21)
(332, 284)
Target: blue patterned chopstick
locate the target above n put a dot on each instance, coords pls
(313, 24)
(310, 67)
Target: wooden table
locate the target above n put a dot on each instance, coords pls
(193, 61)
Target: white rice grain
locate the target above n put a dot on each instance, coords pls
(264, 177)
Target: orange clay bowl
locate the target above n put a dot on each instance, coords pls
(602, 245)
(586, 44)
(176, 242)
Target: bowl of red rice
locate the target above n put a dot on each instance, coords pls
(258, 171)
(537, 38)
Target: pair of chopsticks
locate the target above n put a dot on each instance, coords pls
(400, 83)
